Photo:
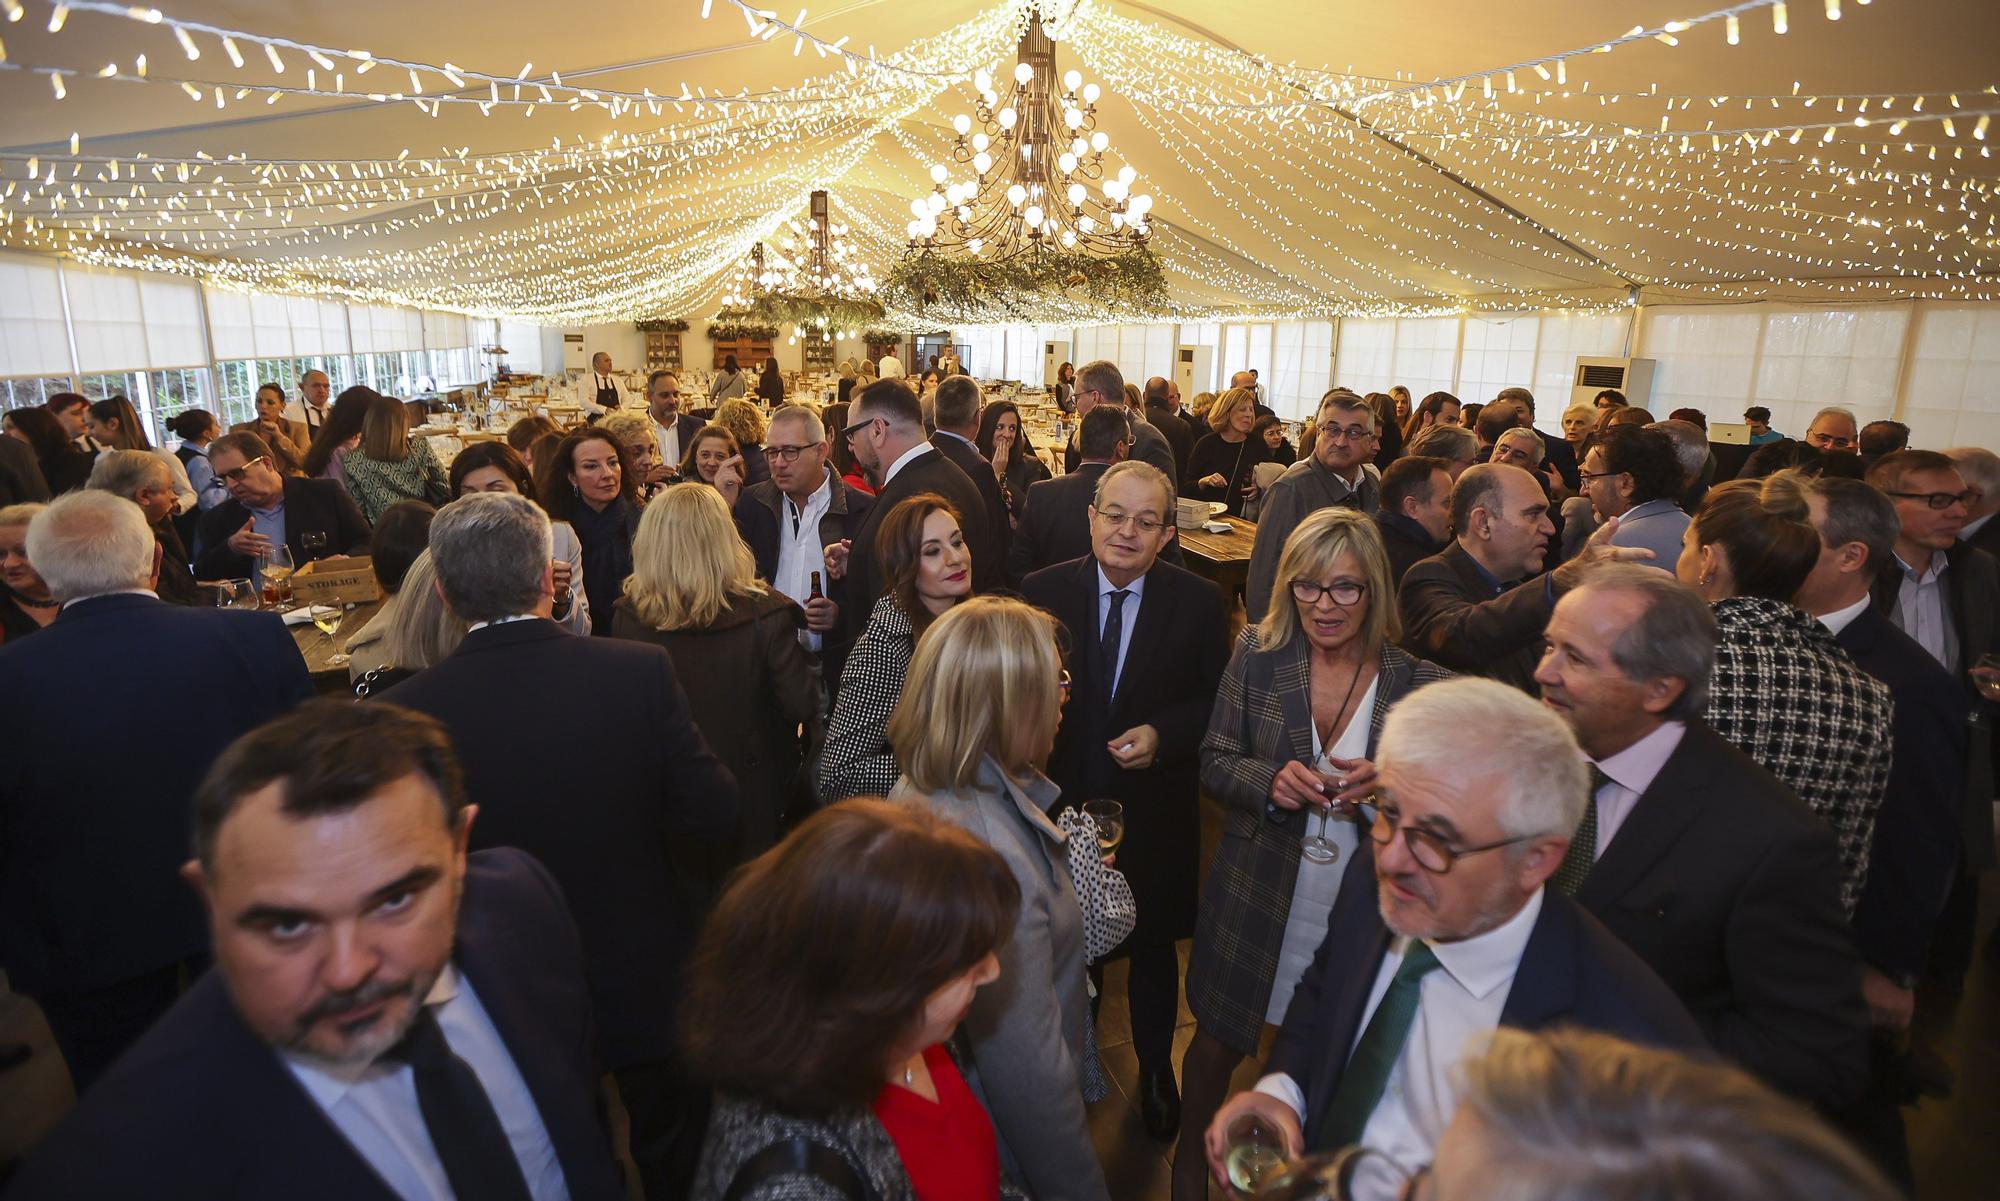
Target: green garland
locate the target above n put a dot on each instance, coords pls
(881, 337)
(672, 325)
(1019, 288)
(737, 325)
(824, 312)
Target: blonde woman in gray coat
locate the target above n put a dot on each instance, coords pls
(976, 720)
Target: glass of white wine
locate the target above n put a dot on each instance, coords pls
(1255, 1154)
(327, 619)
(1109, 817)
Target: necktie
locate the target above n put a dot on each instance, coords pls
(478, 1160)
(1582, 853)
(1380, 1047)
(1114, 636)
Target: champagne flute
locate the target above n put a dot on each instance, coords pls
(1256, 1152)
(1109, 817)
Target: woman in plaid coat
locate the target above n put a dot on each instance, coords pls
(1294, 725)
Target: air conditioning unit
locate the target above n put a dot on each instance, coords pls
(1633, 377)
(1194, 370)
(1054, 355)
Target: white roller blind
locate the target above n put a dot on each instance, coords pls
(271, 325)
(1812, 357)
(319, 327)
(1426, 355)
(524, 346)
(106, 318)
(1367, 359)
(1706, 358)
(1500, 353)
(33, 340)
(229, 327)
(1954, 390)
(381, 330)
(1563, 338)
(172, 306)
(444, 331)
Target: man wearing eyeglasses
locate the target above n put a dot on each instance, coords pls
(1451, 934)
(1100, 382)
(266, 509)
(674, 429)
(1833, 429)
(788, 519)
(1339, 470)
(1148, 643)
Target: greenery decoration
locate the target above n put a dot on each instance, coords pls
(671, 325)
(1019, 288)
(881, 337)
(735, 325)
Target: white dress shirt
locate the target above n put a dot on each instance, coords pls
(902, 459)
(375, 1106)
(1128, 615)
(799, 550)
(310, 416)
(1923, 610)
(586, 392)
(1630, 773)
(1458, 1007)
(669, 438)
(1840, 619)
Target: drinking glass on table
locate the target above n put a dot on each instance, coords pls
(313, 542)
(1109, 817)
(326, 619)
(232, 594)
(1255, 1154)
(1987, 676)
(275, 568)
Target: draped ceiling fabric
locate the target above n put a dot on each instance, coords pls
(1303, 157)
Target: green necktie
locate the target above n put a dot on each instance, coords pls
(1375, 1055)
(1582, 853)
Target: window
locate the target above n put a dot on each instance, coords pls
(1813, 358)
(1499, 352)
(1367, 359)
(1953, 396)
(30, 391)
(174, 390)
(34, 331)
(1426, 358)
(1706, 356)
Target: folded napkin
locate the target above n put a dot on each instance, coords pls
(303, 615)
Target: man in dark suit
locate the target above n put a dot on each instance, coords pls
(114, 712)
(389, 1016)
(21, 479)
(886, 432)
(266, 509)
(604, 798)
(1100, 382)
(1557, 452)
(1945, 594)
(788, 520)
(1980, 469)
(1446, 931)
(1055, 515)
(1472, 607)
(1415, 517)
(672, 429)
(957, 411)
(1162, 404)
(1700, 860)
(1148, 643)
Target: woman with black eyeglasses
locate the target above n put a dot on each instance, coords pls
(1293, 732)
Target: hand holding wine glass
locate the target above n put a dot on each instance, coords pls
(1109, 817)
(1250, 1140)
(1987, 676)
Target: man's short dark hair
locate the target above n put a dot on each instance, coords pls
(1102, 429)
(1617, 397)
(1757, 413)
(63, 402)
(1858, 512)
(1891, 470)
(956, 403)
(1520, 395)
(245, 443)
(402, 532)
(1411, 475)
(890, 399)
(1495, 420)
(654, 378)
(331, 756)
(1649, 455)
(1884, 437)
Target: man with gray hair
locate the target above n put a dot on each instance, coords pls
(94, 921)
(1696, 460)
(1456, 930)
(1100, 382)
(604, 794)
(789, 519)
(957, 410)
(1338, 469)
(1833, 429)
(1704, 863)
(1980, 469)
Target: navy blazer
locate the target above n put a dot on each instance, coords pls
(113, 714)
(1573, 972)
(1055, 523)
(582, 752)
(321, 506)
(201, 1110)
(927, 472)
(966, 457)
(1917, 834)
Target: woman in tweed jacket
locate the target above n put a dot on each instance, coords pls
(1784, 691)
(1302, 700)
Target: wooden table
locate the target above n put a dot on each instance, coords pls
(1223, 558)
(317, 650)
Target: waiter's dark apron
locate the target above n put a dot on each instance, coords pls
(607, 394)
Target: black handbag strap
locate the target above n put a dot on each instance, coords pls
(799, 1157)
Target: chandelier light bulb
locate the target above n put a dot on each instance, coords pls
(1141, 205)
(1016, 195)
(1071, 79)
(982, 162)
(976, 245)
(982, 79)
(1073, 118)
(1067, 162)
(1099, 141)
(1023, 73)
(962, 123)
(1068, 238)
(1086, 225)
(1091, 92)
(935, 203)
(1007, 118)
(1032, 215)
(1126, 175)
(938, 173)
(980, 141)
(1114, 189)
(918, 208)
(1077, 193)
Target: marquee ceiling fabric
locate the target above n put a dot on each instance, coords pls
(616, 160)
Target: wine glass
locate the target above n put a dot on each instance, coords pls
(1987, 676)
(327, 619)
(275, 567)
(1109, 817)
(1256, 1153)
(1353, 1172)
(314, 544)
(1318, 847)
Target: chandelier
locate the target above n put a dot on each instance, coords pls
(813, 278)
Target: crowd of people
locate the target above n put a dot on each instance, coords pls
(1586, 815)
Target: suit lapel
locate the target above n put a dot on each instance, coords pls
(1656, 820)
(1544, 987)
(1291, 679)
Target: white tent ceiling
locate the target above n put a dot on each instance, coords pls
(1303, 158)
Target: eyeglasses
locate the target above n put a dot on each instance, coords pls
(1431, 851)
(1343, 592)
(1347, 433)
(236, 475)
(858, 426)
(1587, 476)
(1942, 500)
(1116, 520)
(785, 454)
(1064, 683)
(1829, 441)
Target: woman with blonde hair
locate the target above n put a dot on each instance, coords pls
(848, 374)
(972, 731)
(634, 430)
(745, 423)
(389, 466)
(734, 642)
(420, 632)
(1222, 464)
(1325, 650)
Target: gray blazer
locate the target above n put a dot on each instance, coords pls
(1656, 525)
(1027, 1027)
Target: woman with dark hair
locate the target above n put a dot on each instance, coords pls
(498, 467)
(921, 558)
(1389, 445)
(588, 483)
(338, 434)
(728, 382)
(1277, 448)
(845, 465)
(792, 1018)
(1439, 408)
(1065, 388)
(289, 440)
(64, 466)
(712, 458)
(389, 465)
(771, 383)
(529, 430)
(1005, 444)
(402, 533)
(1784, 691)
(196, 428)
(116, 426)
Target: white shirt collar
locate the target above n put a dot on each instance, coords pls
(1487, 961)
(1840, 619)
(1137, 588)
(120, 592)
(960, 437)
(821, 497)
(329, 1084)
(501, 621)
(903, 459)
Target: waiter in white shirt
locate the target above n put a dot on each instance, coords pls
(602, 391)
(310, 409)
(1450, 935)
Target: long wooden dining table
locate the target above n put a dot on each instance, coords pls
(1223, 558)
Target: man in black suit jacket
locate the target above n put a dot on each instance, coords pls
(886, 432)
(1162, 403)
(1099, 382)
(1442, 914)
(1980, 469)
(265, 507)
(1415, 517)
(1557, 452)
(672, 429)
(957, 412)
(1700, 860)
(615, 777)
(356, 944)
(21, 479)
(114, 712)
(1131, 730)
(1055, 514)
